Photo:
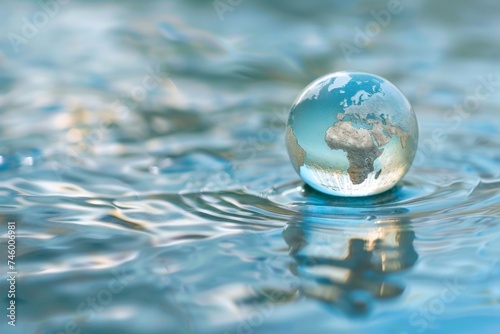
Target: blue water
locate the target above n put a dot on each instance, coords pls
(143, 163)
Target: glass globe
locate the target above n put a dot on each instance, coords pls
(351, 134)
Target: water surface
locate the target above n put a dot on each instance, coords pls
(143, 161)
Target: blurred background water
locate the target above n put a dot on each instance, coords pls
(143, 161)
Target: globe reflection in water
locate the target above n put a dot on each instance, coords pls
(350, 269)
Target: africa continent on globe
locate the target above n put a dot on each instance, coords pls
(351, 134)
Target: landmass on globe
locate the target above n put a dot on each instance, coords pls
(362, 145)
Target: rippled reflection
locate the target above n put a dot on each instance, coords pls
(350, 269)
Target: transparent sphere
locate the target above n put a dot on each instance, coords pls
(351, 134)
